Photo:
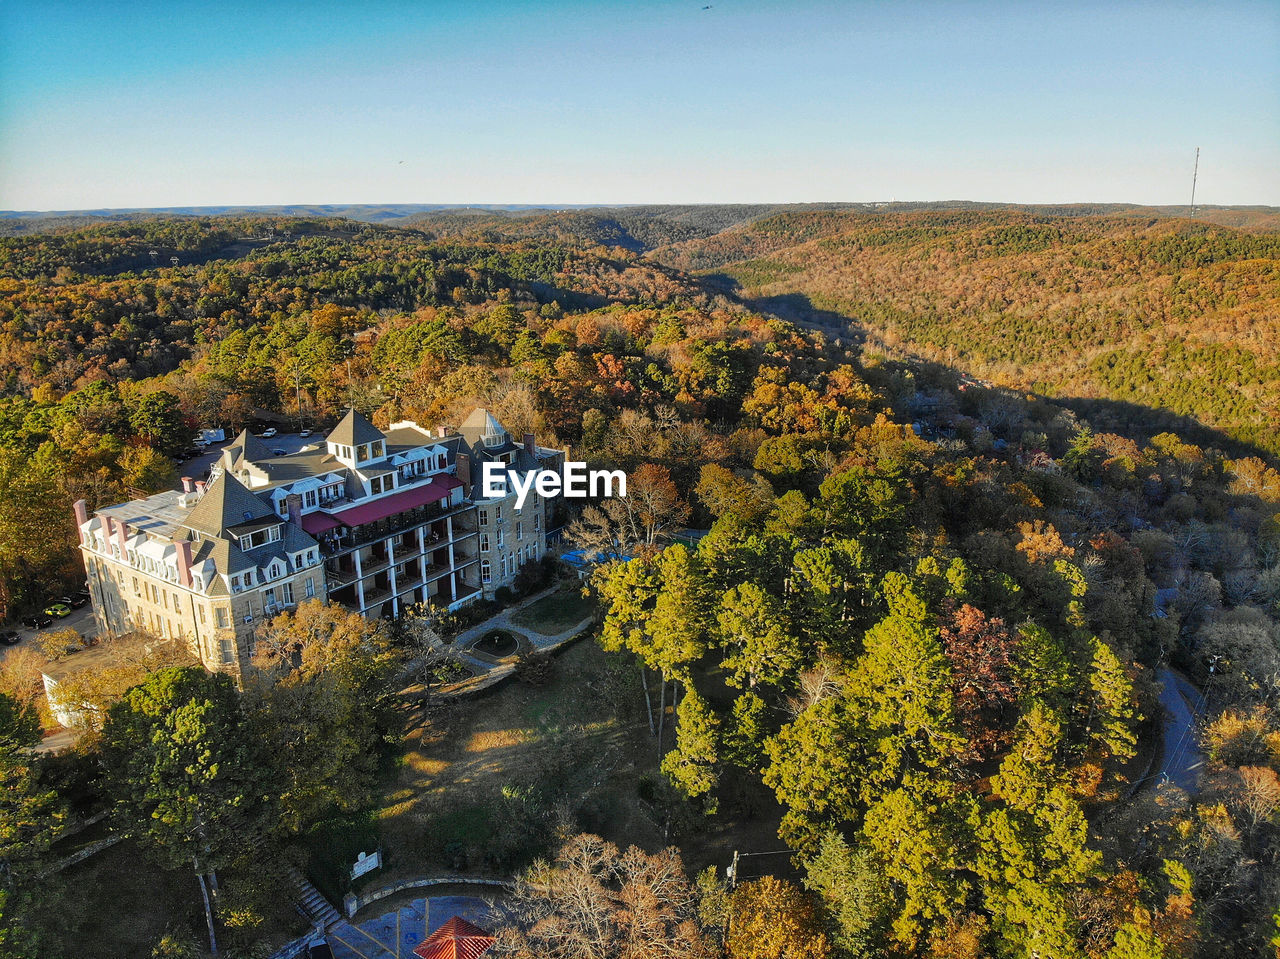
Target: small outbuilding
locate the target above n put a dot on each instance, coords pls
(456, 939)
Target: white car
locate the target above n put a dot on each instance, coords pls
(271, 432)
(305, 433)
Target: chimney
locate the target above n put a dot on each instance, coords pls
(186, 484)
(184, 561)
(442, 431)
(82, 516)
(464, 473)
(122, 535)
(293, 503)
(528, 444)
(200, 487)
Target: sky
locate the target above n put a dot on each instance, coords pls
(141, 104)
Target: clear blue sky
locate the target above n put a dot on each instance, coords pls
(109, 104)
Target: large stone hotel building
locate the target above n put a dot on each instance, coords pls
(374, 520)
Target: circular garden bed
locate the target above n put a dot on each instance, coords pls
(498, 642)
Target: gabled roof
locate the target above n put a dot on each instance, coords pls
(456, 939)
(354, 430)
(225, 503)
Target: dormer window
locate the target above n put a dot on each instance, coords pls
(260, 537)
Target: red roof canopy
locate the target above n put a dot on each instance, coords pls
(436, 490)
(456, 939)
(317, 523)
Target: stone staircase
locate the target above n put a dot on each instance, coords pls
(312, 904)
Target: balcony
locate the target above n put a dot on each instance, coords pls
(383, 529)
(372, 597)
(337, 576)
(374, 564)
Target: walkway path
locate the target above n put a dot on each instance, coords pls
(490, 670)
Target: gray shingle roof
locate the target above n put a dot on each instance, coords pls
(225, 503)
(354, 430)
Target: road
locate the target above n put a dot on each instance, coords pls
(1182, 761)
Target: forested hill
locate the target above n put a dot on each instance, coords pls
(1163, 313)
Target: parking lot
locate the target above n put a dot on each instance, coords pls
(81, 620)
(198, 467)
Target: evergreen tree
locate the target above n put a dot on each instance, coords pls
(1112, 706)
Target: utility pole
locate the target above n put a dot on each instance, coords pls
(297, 385)
(733, 871)
(1194, 174)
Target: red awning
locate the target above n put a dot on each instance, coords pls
(317, 523)
(456, 939)
(432, 492)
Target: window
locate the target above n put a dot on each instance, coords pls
(260, 538)
(486, 572)
(537, 522)
(497, 514)
(269, 597)
(309, 497)
(499, 539)
(484, 517)
(137, 590)
(202, 619)
(176, 600)
(484, 542)
(283, 508)
(286, 594)
(228, 651)
(224, 620)
(235, 584)
(378, 449)
(311, 587)
(519, 531)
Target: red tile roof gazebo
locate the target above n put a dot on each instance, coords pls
(456, 939)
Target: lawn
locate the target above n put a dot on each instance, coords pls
(498, 779)
(490, 783)
(557, 612)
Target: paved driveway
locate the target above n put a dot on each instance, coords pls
(81, 620)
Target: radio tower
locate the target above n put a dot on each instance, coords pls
(1194, 173)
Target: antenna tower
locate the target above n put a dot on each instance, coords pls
(1195, 173)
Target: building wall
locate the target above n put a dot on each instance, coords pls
(522, 534)
(218, 630)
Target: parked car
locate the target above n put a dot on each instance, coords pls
(305, 433)
(267, 434)
(75, 600)
(10, 637)
(37, 621)
(280, 452)
(82, 594)
(60, 610)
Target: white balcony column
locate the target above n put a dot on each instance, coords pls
(359, 581)
(391, 565)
